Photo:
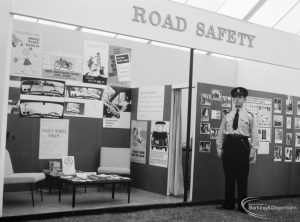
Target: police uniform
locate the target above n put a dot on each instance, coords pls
(234, 146)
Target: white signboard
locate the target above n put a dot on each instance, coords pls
(151, 103)
(54, 134)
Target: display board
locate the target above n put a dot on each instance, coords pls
(273, 172)
(148, 175)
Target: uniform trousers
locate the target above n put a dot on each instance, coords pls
(236, 150)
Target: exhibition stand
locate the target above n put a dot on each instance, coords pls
(68, 93)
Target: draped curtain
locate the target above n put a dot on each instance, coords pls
(175, 172)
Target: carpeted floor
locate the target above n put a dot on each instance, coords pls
(197, 213)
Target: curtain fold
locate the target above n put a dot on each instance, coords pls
(175, 172)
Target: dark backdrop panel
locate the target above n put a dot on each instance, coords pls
(145, 176)
(266, 178)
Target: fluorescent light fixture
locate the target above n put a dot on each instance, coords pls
(179, 1)
(169, 46)
(237, 8)
(200, 52)
(61, 25)
(24, 18)
(222, 56)
(271, 12)
(132, 38)
(97, 32)
(206, 4)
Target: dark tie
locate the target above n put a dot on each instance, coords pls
(236, 120)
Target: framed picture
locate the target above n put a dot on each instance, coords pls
(204, 128)
(204, 146)
(205, 99)
(277, 153)
(277, 105)
(216, 94)
(205, 113)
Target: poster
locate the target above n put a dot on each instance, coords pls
(288, 139)
(204, 128)
(116, 107)
(60, 65)
(298, 108)
(297, 122)
(54, 136)
(84, 100)
(26, 53)
(159, 143)
(95, 62)
(288, 122)
(215, 114)
(68, 165)
(278, 121)
(119, 66)
(216, 94)
(288, 154)
(138, 141)
(277, 153)
(205, 113)
(151, 103)
(226, 101)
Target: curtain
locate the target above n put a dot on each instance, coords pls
(175, 172)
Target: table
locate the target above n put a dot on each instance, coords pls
(74, 182)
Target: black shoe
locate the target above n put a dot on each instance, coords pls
(225, 207)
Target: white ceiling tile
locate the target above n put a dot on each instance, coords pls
(210, 5)
(290, 23)
(271, 12)
(237, 8)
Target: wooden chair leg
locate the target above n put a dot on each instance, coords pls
(32, 198)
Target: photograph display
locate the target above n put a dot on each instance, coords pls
(214, 133)
(289, 105)
(298, 108)
(205, 113)
(216, 94)
(205, 146)
(288, 154)
(297, 157)
(277, 153)
(278, 135)
(277, 105)
(226, 101)
(278, 121)
(288, 139)
(288, 122)
(204, 128)
(205, 99)
(215, 114)
(297, 139)
(297, 123)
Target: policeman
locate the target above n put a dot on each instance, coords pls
(234, 148)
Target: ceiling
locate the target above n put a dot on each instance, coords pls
(282, 15)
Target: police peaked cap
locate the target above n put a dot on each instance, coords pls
(239, 91)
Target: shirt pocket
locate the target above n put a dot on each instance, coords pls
(228, 124)
(244, 125)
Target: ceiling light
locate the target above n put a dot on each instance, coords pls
(97, 32)
(24, 18)
(132, 38)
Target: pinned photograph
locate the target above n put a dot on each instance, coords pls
(224, 112)
(278, 121)
(288, 122)
(297, 139)
(278, 135)
(297, 158)
(298, 107)
(205, 99)
(277, 105)
(215, 114)
(204, 146)
(204, 128)
(205, 113)
(297, 123)
(216, 94)
(289, 105)
(277, 153)
(288, 154)
(226, 101)
(214, 133)
(288, 139)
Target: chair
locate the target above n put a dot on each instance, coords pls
(114, 161)
(20, 178)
